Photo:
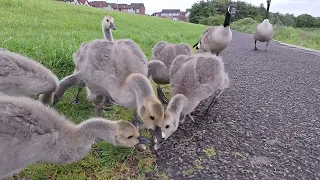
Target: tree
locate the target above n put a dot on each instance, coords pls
(305, 20)
(203, 9)
(204, 12)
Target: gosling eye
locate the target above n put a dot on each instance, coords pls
(129, 137)
(151, 117)
(167, 126)
(107, 20)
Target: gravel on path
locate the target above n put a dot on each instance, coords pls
(265, 126)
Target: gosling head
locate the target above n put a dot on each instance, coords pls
(170, 124)
(108, 22)
(232, 9)
(172, 117)
(152, 114)
(127, 135)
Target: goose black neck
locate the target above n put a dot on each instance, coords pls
(267, 13)
(227, 19)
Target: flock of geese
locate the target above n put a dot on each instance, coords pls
(113, 72)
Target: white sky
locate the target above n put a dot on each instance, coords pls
(295, 7)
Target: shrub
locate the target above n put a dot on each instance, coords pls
(215, 20)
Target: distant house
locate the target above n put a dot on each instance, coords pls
(139, 8)
(81, 2)
(135, 8)
(157, 14)
(99, 4)
(188, 12)
(111, 6)
(173, 14)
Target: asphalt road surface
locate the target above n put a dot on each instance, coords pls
(265, 126)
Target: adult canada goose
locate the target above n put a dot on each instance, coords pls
(23, 76)
(30, 132)
(193, 79)
(264, 31)
(163, 54)
(215, 39)
(78, 59)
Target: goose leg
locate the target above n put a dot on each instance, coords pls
(161, 96)
(98, 110)
(267, 45)
(182, 118)
(64, 84)
(76, 98)
(255, 46)
(98, 105)
(108, 101)
(191, 117)
(213, 101)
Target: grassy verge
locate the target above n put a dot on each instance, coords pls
(50, 32)
(309, 38)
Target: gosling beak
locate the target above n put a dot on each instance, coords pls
(112, 26)
(143, 140)
(158, 137)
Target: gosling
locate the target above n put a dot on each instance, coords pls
(31, 132)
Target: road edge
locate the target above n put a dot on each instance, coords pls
(296, 46)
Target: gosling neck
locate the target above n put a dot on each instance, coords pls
(267, 12)
(227, 20)
(107, 33)
(175, 107)
(158, 71)
(140, 85)
(97, 128)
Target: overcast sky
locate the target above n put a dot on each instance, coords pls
(295, 7)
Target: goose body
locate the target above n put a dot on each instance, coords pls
(79, 59)
(23, 76)
(110, 67)
(31, 132)
(193, 79)
(119, 69)
(264, 31)
(163, 54)
(216, 38)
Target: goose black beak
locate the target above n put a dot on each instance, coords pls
(157, 135)
(112, 26)
(143, 140)
(195, 45)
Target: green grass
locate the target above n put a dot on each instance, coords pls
(50, 32)
(309, 38)
(210, 152)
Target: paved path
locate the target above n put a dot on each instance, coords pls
(266, 126)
